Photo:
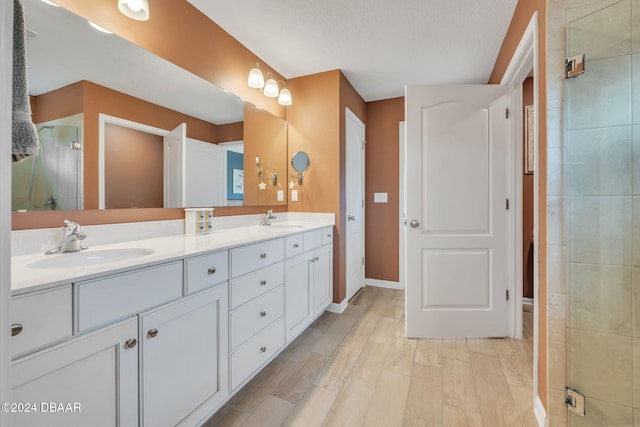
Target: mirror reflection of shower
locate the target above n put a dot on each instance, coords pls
(51, 180)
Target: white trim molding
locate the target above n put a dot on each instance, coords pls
(539, 412)
(383, 284)
(338, 308)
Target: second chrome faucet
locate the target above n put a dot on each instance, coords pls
(71, 239)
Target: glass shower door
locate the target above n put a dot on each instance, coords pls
(602, 212)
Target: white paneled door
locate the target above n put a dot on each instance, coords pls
(457, 228)
(355, 131)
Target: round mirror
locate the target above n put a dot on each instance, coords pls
(300, 161)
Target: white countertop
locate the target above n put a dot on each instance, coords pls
(28, 279)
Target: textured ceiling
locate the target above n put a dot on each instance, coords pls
(380, 45)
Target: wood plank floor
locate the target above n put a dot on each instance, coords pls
(358, 369)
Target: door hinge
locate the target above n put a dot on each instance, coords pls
(506, 113)
(362, 260)
(363, 143)
(574, 401)
(574, 66)
(363, 203)
(507, 203)
(507, 295)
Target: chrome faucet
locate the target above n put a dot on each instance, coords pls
(71, 240)
(267, 218)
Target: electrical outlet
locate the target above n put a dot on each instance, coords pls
(281, 195)
(294, 195)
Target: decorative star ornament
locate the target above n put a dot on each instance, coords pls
(292, 184)
(262, 186)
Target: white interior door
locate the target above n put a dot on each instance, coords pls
(174, 166)
(205, 174)
(355, 202)
(457, 171)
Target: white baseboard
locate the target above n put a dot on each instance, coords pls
(539, 412)
(383, 284)
(338, 308)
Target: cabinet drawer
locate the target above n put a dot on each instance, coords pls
(252, 257)
(293, 245)
(312, 239)
(255, 284)
(327, 235)
(206, 270)
(247, 320)
(117, 296)
(45, 317)
(256, 352)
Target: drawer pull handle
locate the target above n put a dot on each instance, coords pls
(131, 343)
(263, 349)
(295, 245)
(152, 333)
(263, 256)
(263, 314)
(16, 328)
(211, 271)
(263, 283)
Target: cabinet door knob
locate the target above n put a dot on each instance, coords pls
(263, 283)
(263, 314)
(152, 333)
(295, 245)
(263, 349)
(131, 343)
(316, 259)
(16, 328)
(211, 271)
(263, 256)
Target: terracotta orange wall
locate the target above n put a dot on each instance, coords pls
(179, 33)
(382, 176)
(316, 125)
(132, 158)
(523, 13)
(230, 132)
(64, 102)
(265, 136)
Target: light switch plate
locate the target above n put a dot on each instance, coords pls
(281, 195)
(380, 197)
(294, 195)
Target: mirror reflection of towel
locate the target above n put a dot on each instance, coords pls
(24, 137)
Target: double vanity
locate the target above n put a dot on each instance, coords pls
(162, 331)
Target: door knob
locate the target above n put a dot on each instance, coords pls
(351, 218)
(414, 223)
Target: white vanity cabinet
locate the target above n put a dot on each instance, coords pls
(299, 294)
(184, 358)
(322, 278)
(91, 380)
(256, 319)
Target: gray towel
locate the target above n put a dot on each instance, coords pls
(24, 137)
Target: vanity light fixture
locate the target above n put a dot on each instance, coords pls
(256, 78)
(270, 88)
(134, 9)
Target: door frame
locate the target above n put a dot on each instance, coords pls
(351, 115)
(103, 120)
(522, 63)
(6, 73)
(229, 146)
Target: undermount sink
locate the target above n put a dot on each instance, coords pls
(284, 225)
(88, 258)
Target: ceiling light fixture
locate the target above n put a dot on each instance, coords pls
(270, 88)
(50, 3)
(134, 9)
(99, 28)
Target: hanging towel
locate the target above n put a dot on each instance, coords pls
(24, 137)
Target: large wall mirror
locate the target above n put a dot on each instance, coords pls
(123, 128)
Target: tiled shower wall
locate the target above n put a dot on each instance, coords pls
(594, 211)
